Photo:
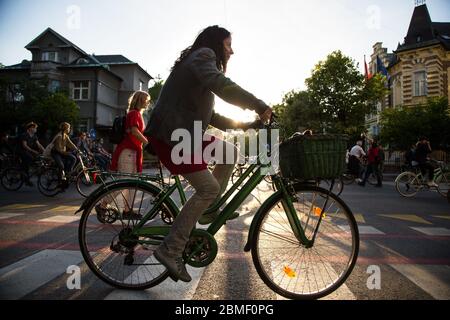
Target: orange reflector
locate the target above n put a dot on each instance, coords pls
(289, 272)
(318, 212)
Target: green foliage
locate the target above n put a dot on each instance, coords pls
(296, 114)
(34, 103)
(341, 95)
(402, 126)
(155, 90)
(53, 110)
(337, 99)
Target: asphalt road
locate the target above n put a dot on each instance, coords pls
(404, 243)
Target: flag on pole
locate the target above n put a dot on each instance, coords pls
(367, 74)
(381, 68)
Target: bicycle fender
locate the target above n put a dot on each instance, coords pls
(264, 207)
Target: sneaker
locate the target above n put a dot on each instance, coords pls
(210, 217)
(175, 266)
(432, 184)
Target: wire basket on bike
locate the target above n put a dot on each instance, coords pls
(308, 157)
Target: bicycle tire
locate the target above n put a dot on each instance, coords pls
(49, 183)
(92, 185)
(347, 178)
(443, 182)
(337, 188)
(407, 181)
(12, 179)
(267, 268)
(90, 217)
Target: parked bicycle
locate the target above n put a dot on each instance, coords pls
(304, 239)
(409, 183)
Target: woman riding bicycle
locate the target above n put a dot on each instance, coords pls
(187, 102)
(61, 144)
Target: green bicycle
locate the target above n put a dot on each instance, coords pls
(303, 239)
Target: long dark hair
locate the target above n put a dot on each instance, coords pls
(211, 37)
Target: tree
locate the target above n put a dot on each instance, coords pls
(155, 90)
(402, 126)
(341, 96)
(30, 100)
(54, 109)
(296, 114)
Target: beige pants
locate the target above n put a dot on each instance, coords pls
(208, 187)
(126, 164)
(127, 161)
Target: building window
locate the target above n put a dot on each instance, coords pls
(50, 56)
(141, 85)
(54, 86)
(420, 84)
(15, 93)
(80, 90)
(83, 125)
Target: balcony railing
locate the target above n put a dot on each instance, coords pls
(44, 66)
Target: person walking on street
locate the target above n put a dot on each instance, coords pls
(373, 166)
(128, 156)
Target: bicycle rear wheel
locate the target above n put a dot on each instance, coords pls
(338, 186)
(288, 267)
(108, 248)
(12, 179)
(407, 184)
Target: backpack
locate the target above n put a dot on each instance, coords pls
(118, 132)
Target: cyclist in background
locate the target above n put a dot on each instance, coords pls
(423, 149)
(354, 162)
(29, 149)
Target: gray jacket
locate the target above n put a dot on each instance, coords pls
(187, 96)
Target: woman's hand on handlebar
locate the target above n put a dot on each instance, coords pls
(266, 116)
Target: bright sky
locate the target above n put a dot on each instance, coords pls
(276, 42)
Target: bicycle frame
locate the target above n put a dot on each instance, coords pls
(253, 172)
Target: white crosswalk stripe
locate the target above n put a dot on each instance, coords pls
(61, 219)
(433, 231)
(168, 290)
(26, 275)
(435, 280)
(5, 215)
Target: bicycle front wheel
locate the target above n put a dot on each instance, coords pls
(291, 269)
(407, 184)
(90, 180)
